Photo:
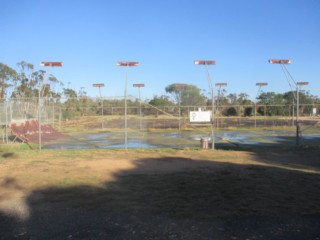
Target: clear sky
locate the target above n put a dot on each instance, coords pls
(165, 36)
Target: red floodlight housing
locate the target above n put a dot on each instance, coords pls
(128, 64)
(302, 83)
(205, 62)
(52, 64)
(260, 84)
(98, 85)
(221, 84)
(138, 85)
(279, 61)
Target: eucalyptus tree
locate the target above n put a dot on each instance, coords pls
(186, 94)
(28, 82)
(7, 77)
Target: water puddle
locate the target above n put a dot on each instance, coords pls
(176, 139)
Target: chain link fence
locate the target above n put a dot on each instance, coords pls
(100, 122)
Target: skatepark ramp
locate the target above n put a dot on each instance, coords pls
(29, 132)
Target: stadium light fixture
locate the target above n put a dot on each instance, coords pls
(279, 61)
(126, 64)
(284, 62)
(206, 63)
(49, 65)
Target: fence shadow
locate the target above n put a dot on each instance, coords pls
(198, 200)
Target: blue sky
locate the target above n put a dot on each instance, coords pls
(166, 36)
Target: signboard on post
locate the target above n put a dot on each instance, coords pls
(200, 116)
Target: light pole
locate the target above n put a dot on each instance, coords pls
(299, 84)
(139, 85)
(260, 85)
(282, 63)
(100, 85)
(126, 64)
(49, 65)
(220, 85)
(206, 63)
(289, 78)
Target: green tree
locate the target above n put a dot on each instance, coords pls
(70, 103)
(7, 76)
(159, 103)
(232, 98)
(186, 94)
(28, 82)
(275, 104)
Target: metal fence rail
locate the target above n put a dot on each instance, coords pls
(76, 116)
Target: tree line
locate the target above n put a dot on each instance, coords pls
(24, 83)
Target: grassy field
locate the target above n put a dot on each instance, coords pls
(199, 185)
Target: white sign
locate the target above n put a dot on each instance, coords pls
(200, 116)
(314, 111)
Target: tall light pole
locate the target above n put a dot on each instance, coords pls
(282, 63)
(289, 78)
(126, 64)
(100, 85)
(139, 85)
(49, 65)
(206, 63)
(299, 84)
(220, 85)
(260, 85)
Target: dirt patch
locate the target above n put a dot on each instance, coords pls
(167, 194)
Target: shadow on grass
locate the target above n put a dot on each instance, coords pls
(202, 200)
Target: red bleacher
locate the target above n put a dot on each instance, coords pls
(29, 132)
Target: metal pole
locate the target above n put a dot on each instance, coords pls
(218, 105)
(212, 103)
(292, 109)
(39, 116)
(39, 107)
(49, 65)
(255, 113)
(179, 110)
(125, 110)
(255, 108)
(6, 127)
(140, 108)
(101, 107)
(297, 118)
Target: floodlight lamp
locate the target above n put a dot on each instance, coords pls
(221, 84)
(261, 84)
(128, 64)
(98, 85)
(302, 83)
(205, 62)
(279, 61)
(52, 64)
(138, 85)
